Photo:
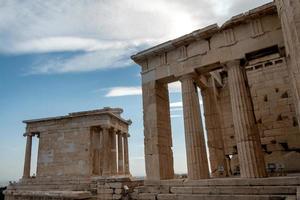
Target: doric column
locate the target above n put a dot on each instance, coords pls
(113, 158)
(120, 154)
(250, 155)
(214, 130)
(157, 131)
(126, 154)
(27, 163)
(194, 135)
(107, 151)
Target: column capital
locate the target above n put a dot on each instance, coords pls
(232, 63)
(31, 134)
(27, 134)
(106, 126)
(190, 76)
(126, 134)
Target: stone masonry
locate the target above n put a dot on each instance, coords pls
(247, 73)
(77, 157)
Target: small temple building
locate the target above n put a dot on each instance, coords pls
(76, 153)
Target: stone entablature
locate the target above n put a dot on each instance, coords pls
(206, 49)
(248, 74)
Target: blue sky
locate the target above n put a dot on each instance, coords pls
(58, 57)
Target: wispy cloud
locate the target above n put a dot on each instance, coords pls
(65, 43)
(176, 104)
(123, 91)
(119, 91)
(176, 116)
(175, 87)
(101, 59)
(176, 109)
(108, 30)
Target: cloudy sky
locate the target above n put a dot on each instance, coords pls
(64, 56)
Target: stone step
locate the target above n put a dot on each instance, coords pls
(271, 181)
(223, 197)
(236, 190)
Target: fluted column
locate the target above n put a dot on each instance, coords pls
(214, 130)
(157, 131)
(194, 135)
(250, 155)
(120, 154)
(95, 150)
(126, 154)
(113, 158)
(106, 151)
(101, 154)
(27, 163)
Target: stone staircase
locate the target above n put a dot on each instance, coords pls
(277, 188)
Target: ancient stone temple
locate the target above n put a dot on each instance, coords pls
(82, 155)
(248, 72)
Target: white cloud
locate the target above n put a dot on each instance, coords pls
(102, 59)
(175, 87)
(176, 104)
(123, 91)
(176, 116)
(176, 109)
(109, 29)
(119, 91)
(57, 44)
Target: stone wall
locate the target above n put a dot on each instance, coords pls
(275, 114)
(64, 149)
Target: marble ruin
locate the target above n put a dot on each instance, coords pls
(248, 72)
(81, 155)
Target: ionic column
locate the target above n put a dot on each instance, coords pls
(250, 155)
(113, 158)
(96, 150)
(194, 135)
(120, 154)
(106, 151)
(214, 130)
(126, 155)
(101, 154)
(27, 163)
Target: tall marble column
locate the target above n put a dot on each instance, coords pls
(106, 151)
(120, 154)
(157, 131)
(126, 154)
(213, 126)
(113, 158)
(250, 154)
(27, 163)
(197, 163)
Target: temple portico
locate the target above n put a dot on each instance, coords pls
(107, 144)
(225, 63)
